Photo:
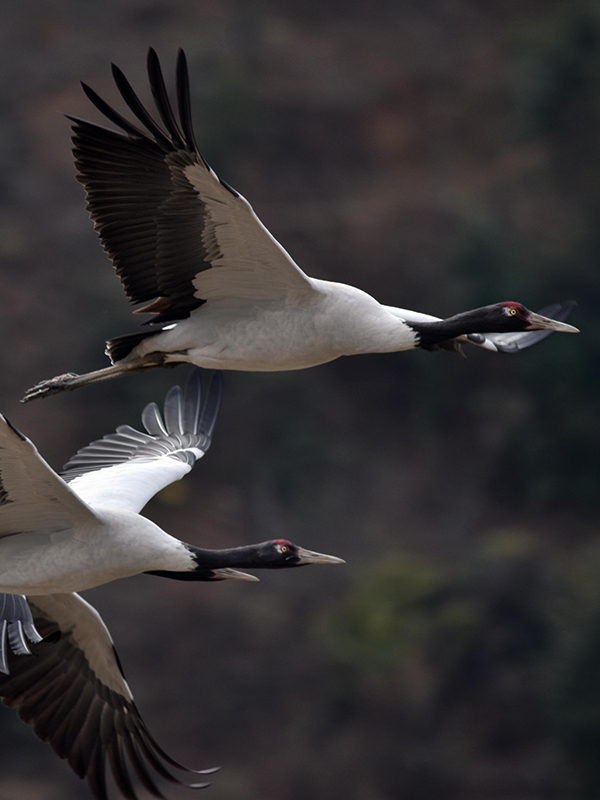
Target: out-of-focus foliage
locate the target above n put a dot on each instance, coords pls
(439, 155)
(395, 612)
(502, 651)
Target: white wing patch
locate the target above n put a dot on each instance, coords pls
(132, 484)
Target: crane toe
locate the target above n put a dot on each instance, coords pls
(52, 386)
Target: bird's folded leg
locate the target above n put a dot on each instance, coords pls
(16, 623)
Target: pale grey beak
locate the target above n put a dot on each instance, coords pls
(234, 574)
(539, 323)
(308, 557)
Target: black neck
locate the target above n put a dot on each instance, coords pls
(235, 557)
(256, 556)
(193, 575)
(479, 320)
(250, 557)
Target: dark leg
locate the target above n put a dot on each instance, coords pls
(70, 381)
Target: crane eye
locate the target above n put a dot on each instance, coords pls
(284, 548)
(512, 311)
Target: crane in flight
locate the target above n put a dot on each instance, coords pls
(223, 292)
(61, 535)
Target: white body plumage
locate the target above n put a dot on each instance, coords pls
(268, 336)
(114, 543)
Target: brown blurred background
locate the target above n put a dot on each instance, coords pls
(441, 156)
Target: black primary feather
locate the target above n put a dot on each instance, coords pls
(92, 727)
(147, 213)
(161, 100)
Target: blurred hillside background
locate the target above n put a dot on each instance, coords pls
(441, 156)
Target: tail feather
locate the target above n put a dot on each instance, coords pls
(121, 346)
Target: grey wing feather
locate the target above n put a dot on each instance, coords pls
(172, 411)
(193, 401)
(16, 623)
(210, 412)
(187, 425)
(152, 420)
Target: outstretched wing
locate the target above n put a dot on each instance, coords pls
(72, 691)
(125, 469)
(32, 496)
(174, 231)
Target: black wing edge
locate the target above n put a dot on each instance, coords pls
(188, 420)
(15, 430)
(55, 691)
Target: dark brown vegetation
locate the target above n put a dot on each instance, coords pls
(440, 155)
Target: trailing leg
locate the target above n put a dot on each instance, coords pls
(70, 381)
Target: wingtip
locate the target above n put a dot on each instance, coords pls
(152, 60)
(117, 72)
(88, 91)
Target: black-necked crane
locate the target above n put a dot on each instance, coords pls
(61, 535)
(224, 293)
